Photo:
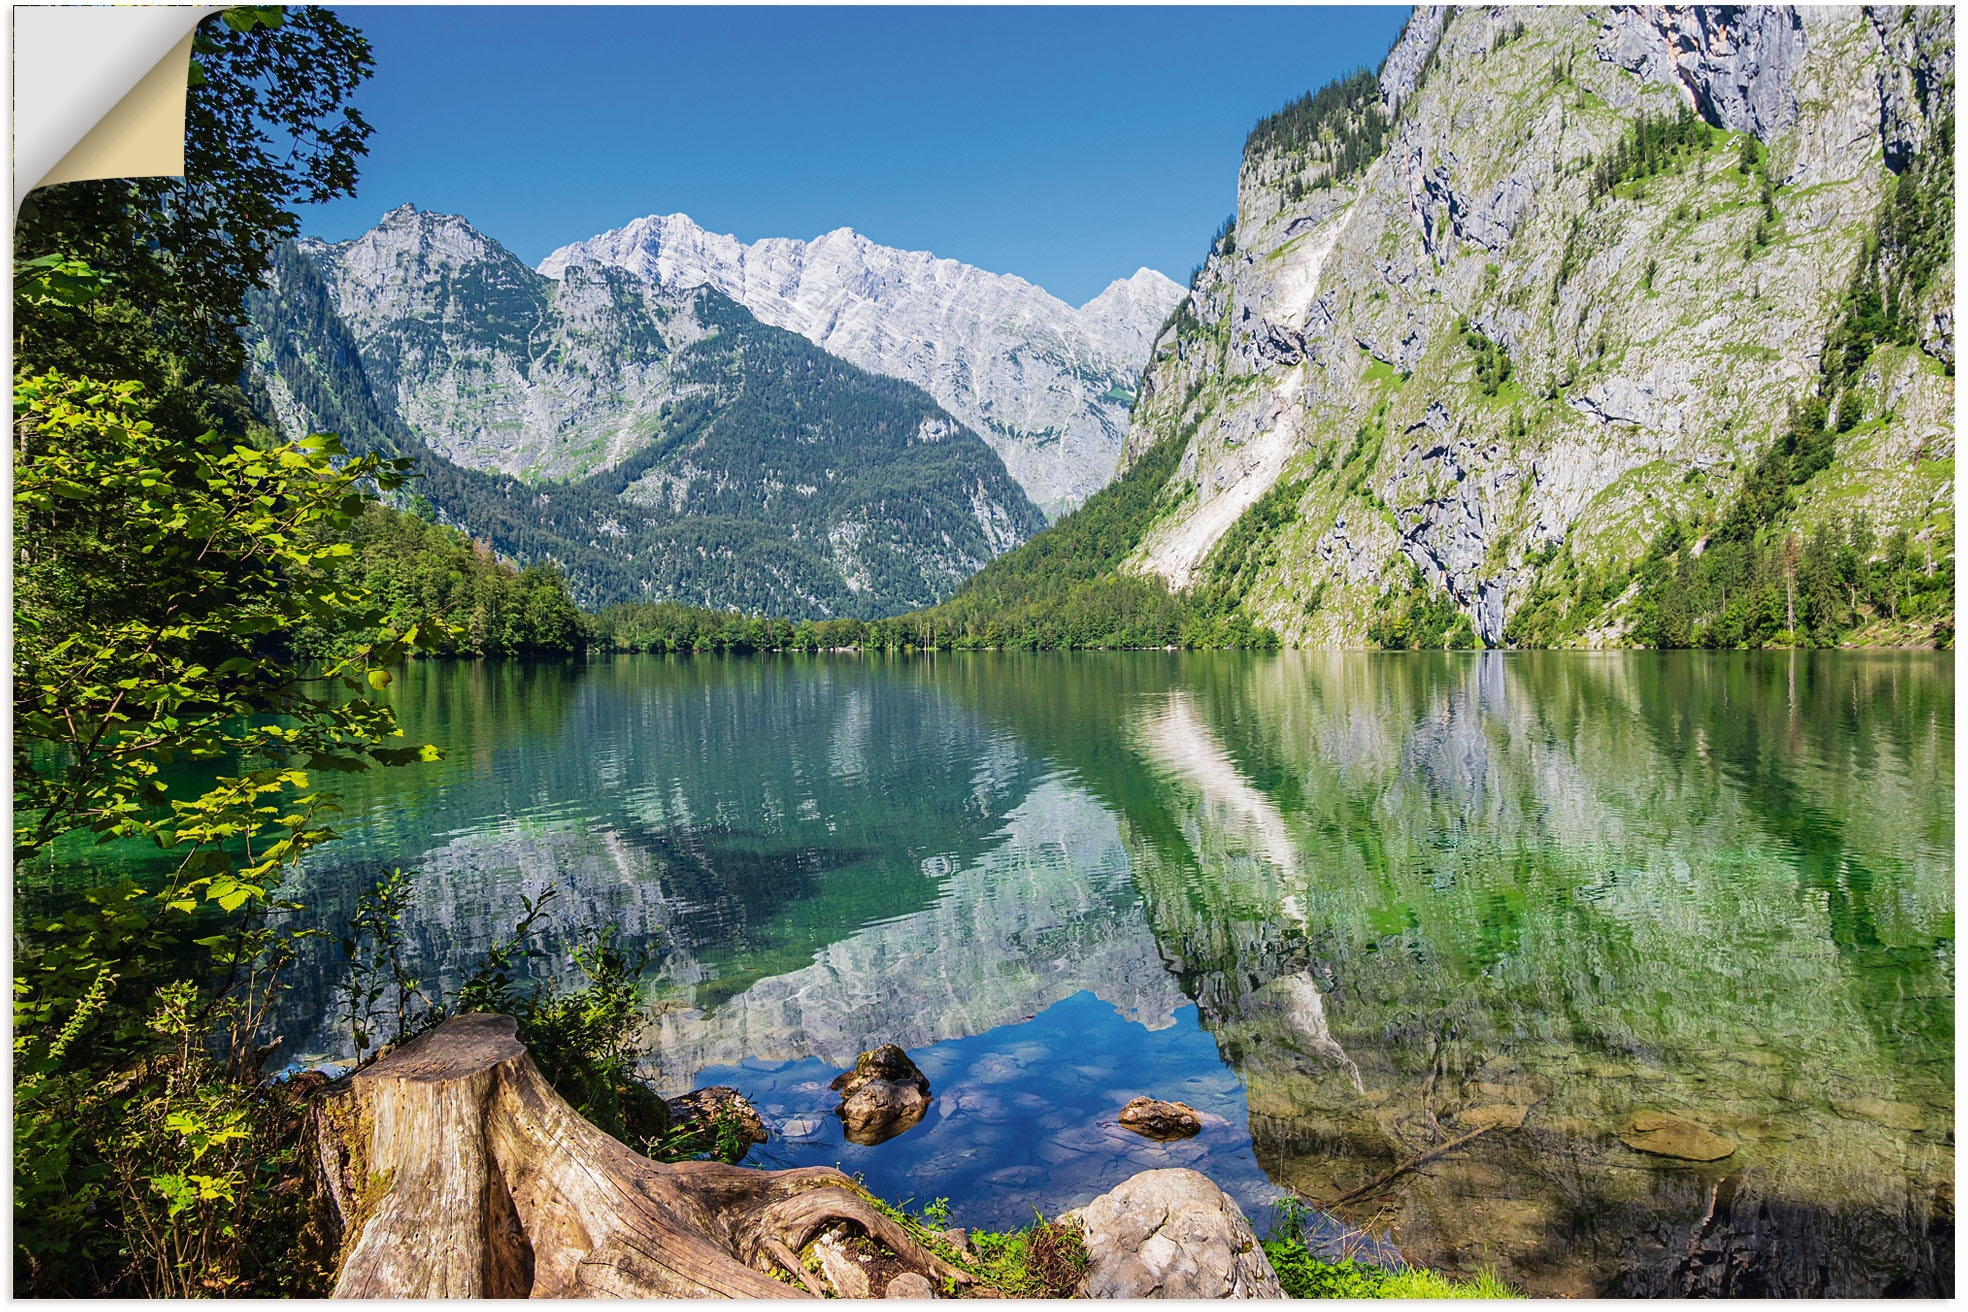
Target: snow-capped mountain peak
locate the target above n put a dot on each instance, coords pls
(1048, 385)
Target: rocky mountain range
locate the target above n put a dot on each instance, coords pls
(1557, 301)
(1048, 386)
(659, 442)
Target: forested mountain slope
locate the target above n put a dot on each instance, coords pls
(1580, 326)
(658, 444)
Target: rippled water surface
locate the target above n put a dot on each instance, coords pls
(1342, 904)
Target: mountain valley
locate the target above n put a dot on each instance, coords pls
(658, 443)
(1563, 328)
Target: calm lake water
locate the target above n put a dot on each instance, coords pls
(1339, 903)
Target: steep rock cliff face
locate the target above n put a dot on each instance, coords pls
(1471, 351)
(659, 443)
(493, 366)
(1048, 386)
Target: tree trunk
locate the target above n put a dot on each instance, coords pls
(459, 1173)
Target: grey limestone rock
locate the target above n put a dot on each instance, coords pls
(841, 1267)
(1656, 336)
(1916, 74)
(1173, 1234)
(909, 1285)
(1401, 74)
(1737, 63)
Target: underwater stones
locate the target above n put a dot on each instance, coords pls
(1152, 1118)
(1671, 1136)
(884, 1095)
(1893, 1115)
(1756, 1057)
(720, 1112)
(1172, 1234)
(1493, 1116)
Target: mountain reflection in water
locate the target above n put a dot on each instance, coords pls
(1353, 904)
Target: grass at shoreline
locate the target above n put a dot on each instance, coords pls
(1306, 1276)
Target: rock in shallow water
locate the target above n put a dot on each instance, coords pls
(882, 1096)
(720, 1106)
(1155, 1119)
(1172, 1234)
(1671, 1136)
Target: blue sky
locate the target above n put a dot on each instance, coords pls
(1068, 146)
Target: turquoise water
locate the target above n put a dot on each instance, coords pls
(1348, 905)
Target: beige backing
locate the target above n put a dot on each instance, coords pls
(143, 136)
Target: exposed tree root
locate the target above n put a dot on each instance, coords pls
(461, 1174)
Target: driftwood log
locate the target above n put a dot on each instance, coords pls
(459, 1173)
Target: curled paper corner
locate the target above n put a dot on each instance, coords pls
(99, 91)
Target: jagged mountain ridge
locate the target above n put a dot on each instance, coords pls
(1048, 386)
(1471, 358)
(659, 443)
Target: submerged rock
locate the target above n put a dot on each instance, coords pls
(1154, 1119)
(1497, 1115)
(884, 1095)
(1671, 1136)
(1894, 1115)
(1172, 1234)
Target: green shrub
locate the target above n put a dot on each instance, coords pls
(582, 1039)
(1043, 1260)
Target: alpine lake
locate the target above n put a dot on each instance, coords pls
(1351, 907)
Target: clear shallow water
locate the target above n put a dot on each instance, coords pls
(1023, 1115)
(1340, 901)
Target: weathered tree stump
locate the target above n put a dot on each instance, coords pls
(459, 1173)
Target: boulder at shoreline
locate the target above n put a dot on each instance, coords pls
(1172, 1234)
